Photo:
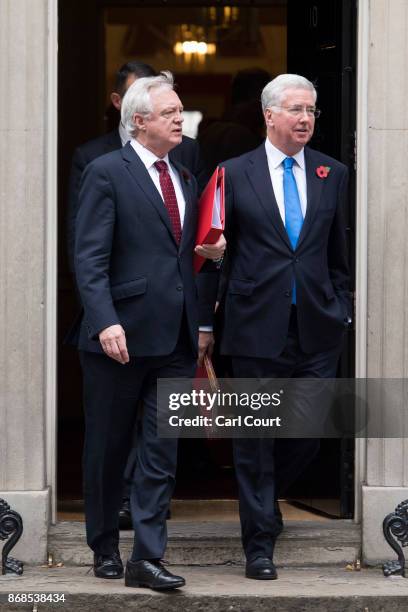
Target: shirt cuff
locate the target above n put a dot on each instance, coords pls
(205, 328)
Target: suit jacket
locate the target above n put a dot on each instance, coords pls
(186, 153)
(129, 268)
(264, 266)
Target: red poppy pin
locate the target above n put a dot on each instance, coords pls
(323, 171)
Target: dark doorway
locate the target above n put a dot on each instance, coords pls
(322, 46)
(316, 39)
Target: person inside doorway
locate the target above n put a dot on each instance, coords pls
(187, 152)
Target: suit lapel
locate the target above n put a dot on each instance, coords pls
(260, 179)
(138, 171)
(314, 186)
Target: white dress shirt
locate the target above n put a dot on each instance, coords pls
(275, 163)
(148, 159)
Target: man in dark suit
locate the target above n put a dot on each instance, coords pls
(186, 153)
(287, 301)
(135, 239)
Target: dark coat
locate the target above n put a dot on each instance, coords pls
(264, 266)
(129, 268)
(186, 153)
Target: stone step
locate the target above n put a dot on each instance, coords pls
(302, 543)
(211, 589)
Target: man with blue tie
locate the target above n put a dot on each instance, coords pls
(287, 302)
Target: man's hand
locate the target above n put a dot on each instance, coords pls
(113, 341)
(212, 251)
(205, 346)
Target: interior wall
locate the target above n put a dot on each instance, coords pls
(204, 85)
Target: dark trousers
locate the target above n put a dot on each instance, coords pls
(130, 467)
(113, 394)
(266, 467)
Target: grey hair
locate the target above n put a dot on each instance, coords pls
(273, 92)
(137, 98)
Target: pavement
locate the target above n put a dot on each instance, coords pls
(217, 588)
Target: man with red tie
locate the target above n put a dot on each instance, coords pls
(135, 239)
(186, 153)
(287, 301)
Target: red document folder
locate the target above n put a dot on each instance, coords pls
(209, 384)
(207, 371)
(211, 214)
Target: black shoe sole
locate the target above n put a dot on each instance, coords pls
(261, 577)
(144, 585)
(108, 577)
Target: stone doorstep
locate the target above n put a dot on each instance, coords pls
(210, 589)
(302, 543)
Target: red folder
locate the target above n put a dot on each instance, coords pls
(211, 214)
(207, 371)
(210, 383)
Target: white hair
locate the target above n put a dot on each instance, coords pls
(273, 93)
(137, 98)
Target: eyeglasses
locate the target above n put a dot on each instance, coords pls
(295, 111)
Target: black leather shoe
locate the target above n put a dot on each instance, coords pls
(125, 517)
(261, 568)
(108, 566)
(151, 574)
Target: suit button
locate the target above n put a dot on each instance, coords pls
(287, 293)
(179, 287)
(296, 259)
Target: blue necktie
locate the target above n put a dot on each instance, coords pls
(293, 210)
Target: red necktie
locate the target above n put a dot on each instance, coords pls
(169, 197)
